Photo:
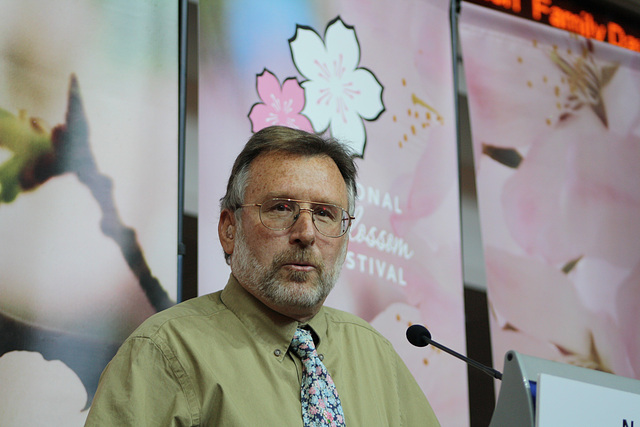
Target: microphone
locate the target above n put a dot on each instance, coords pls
(420, 336)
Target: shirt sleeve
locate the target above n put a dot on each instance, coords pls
(144, 385)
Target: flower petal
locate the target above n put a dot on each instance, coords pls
(259, 116)
(299, 122)
(342, 46)
(267, 85)
(512, 278)
(317, 107)
(292, 95)
(368, 101)
(566, 186)
(349, 129)
(308, 51)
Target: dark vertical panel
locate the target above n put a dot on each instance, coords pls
(190, 259)
(182, 118)
(481, 386)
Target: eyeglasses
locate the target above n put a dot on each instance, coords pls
(281, 214)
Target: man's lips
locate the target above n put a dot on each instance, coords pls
(299, 266)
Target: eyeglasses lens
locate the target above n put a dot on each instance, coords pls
(280, 214)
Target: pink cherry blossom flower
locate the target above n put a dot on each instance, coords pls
(558, 192)
(281, 105)
(576, 194)
(562, 327)
(573, 192)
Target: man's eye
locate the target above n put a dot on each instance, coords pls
(324, 212)
(282, 207)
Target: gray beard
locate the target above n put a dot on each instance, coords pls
(277, 285)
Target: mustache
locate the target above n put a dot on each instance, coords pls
(297, 256)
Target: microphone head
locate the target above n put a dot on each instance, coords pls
(418, 335)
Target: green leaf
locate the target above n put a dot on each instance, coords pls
(28, 139)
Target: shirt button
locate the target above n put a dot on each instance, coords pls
(277, 352)
(321, 357)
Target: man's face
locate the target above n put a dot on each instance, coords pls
(293, 270)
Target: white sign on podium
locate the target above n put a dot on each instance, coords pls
(565, 402)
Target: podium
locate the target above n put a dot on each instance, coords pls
(541, 393)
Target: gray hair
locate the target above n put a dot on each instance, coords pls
(290, 141)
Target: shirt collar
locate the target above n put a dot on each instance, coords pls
(268, 326)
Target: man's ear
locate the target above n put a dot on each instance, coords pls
(227, 230)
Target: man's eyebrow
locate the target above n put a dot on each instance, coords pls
(270, 196)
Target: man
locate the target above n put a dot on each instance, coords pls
(264, 351)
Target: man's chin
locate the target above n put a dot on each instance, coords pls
(301, 290)
(300, 277)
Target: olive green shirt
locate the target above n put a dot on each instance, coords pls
(223, 360)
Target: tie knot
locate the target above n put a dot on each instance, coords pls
(302, 343)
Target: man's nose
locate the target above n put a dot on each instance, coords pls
(303, 230)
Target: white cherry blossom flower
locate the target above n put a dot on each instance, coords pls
(339, 94)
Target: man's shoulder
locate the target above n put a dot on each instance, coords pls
(352, 324)
(190, 311)
(340, 316)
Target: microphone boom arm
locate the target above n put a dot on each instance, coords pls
(487, 370)
(420, 336)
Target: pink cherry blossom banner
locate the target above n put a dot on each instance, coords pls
(376, 75)
(88, 193)
(556, 135)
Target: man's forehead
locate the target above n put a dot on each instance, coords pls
(277, 173)
(275, 159)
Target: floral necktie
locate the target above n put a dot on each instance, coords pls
(320, 402)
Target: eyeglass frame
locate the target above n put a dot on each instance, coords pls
(349, 217)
